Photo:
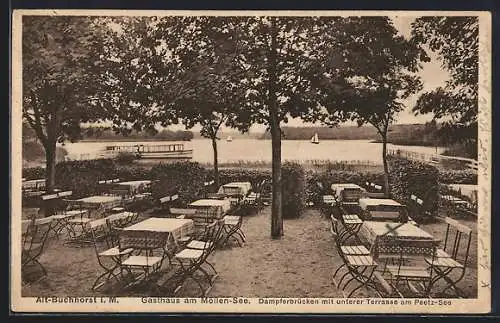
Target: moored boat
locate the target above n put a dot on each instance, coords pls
(162, 151)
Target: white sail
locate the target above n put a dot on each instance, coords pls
(315, 139)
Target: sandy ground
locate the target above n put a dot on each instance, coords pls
(299, 264)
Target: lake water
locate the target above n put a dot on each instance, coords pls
(260, 150)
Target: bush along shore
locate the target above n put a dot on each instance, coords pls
(300, 185)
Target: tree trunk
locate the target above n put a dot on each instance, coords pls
(386, 167)
(277, 211)
(216, 163)
(50, 175)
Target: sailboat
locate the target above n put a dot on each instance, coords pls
(229, 139)
(315, 139)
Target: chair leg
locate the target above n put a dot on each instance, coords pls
(338, 269)
(355, 276)
(207, 276)
(364, 281)
(41, 267)
(453, 284)
(211, 266)
(342, 278)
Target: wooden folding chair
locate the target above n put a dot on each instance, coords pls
(34, 239)
(109, 256)
(149, 252)
(76, 222)
(206, 240)
(356, 259)
(191, 261)
(232, 230)
(408, 265)
(452, 258)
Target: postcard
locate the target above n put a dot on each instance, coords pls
(251, 161)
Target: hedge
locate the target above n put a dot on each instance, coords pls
(82, 176)
(254, 176)
(458, 177)
(409, 177)
(187, 178)
(33, 173)
(184, 178)
(293, 189)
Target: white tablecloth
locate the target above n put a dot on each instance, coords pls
(176, 227)
(385, 236)
(372, 230)
(100, 201)
(236, 188)
(367, 203)
(218, 207)
(225, 204)
(134, 185)
(339, 188)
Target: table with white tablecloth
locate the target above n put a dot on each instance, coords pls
(372, 208)
(134, 186)
(176, 228)
(212, 207)
(236, 188)
(348, 192)
(103, 202)
(384, 237)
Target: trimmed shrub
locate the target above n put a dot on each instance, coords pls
(411, 177)
(34, 173)
(82, 176)
(458, 177)
(294, 197)
(183, 178)
(125, 158)
(254, 176)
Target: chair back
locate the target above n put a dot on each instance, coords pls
(68, 205)
(100, 231)
(142, 240)
(180, 211)
(334, 226)
(338, 232)
(457, 236)
(389, 213)
(407, 250)
(213, 233)
(210, 231)
(351, 194)
(35, 237)
(120, 192)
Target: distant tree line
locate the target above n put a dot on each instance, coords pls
(99, 133)
(405, 134)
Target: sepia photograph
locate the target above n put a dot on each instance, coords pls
(244, 161)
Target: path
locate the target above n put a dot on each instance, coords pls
(297, 265)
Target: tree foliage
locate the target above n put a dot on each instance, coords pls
(370, 69)
(456, 41)
(60, 64)
(61, 79)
